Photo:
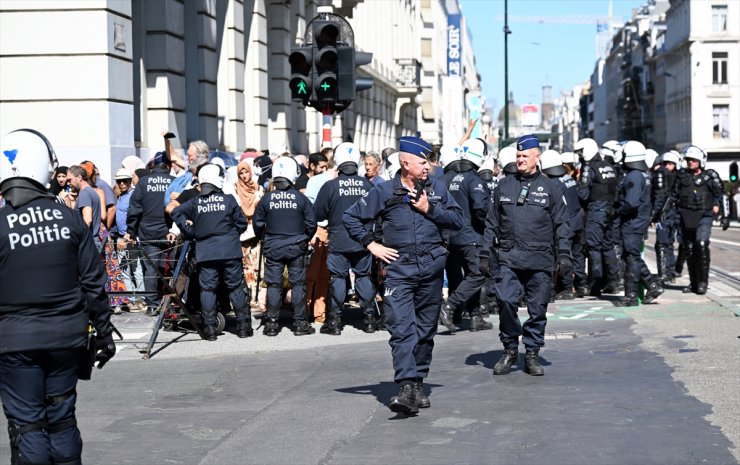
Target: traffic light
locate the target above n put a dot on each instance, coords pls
(733, 171)
(325, 60)
(349, 84)
(300, 59)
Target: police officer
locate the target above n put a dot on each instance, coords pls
(597, 187)
(572, 167)
(464, 276)
(527, 213)
(285, 220)
(414, 211)
(345, 253)
(552, 167)
(634, 212)
(699, 194)
(665, 218)
(45, 310)
(489, 172)
(216, 221)
(148, 223)
(611, 152)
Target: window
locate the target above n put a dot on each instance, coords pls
(721, 121)
(719, 18)
(719, 67)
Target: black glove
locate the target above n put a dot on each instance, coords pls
(484, 263)
(725, 223)
(565, 265)
(106, 349)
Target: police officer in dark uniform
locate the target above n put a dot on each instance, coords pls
(665, 218)
(552, 167)
(45, 311)
(216, 221)
(634, 212)
(285, 220)
(489, 172)
(464, 276)
(611, 152)
(528, 212)
(345, 253)
(414, 211)
(597, 189)
(148, 223)
(572, 166)
(699, 194)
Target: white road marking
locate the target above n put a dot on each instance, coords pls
(129, 336)
(574, 317)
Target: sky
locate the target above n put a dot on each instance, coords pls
(540, 53)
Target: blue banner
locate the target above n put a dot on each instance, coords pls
(454, 46)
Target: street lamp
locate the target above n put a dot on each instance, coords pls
(507, 31)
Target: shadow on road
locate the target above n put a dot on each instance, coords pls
(489, 359)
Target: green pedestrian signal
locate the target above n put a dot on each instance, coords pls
(325, 86)
(733, 171)
(302, 87)
(300, 60)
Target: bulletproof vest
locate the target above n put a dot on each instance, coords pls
(694, 191)
(285, 216)
(154, 221)
(603, 182)
(210, 219)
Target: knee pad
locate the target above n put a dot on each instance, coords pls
(56, 400)
(273, 285)
(702, 244)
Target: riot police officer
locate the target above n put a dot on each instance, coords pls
(45, 311)
(345, 253)
(489, 172)
(216, 221)
(699, 194)
(634, 213)
(464, 276)
(597, 187)
(285, 220)
(665, 218)
(148, 224)
(611, 152)
(414, 211)
(528, 212)
(552, 167)
(572, 167)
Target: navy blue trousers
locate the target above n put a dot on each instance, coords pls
(38, 387)
(274, 280)
(339, 265)
(464, 277)
(231, 273)
(510, 286)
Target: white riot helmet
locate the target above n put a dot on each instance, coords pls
(474, 150)
(346, 152)
(695, 153)
(671, 157)
(634, 155)
(26, 153)
(394, 165)
(569, 158)
(488, 164)
(586, 148)
(551, 163)
(286, 168)
(506, 156)
(211, 173)
(448, 153)
(651, 158)
(610, 148)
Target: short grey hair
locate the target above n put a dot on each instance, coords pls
(374, 155)
(201, 148)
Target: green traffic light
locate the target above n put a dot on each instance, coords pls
(302, 87)
(325, 86)
(733, 178)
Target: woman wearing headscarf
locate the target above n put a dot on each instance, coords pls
(248, 193)
(59, 182)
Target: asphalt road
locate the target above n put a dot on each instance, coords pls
(658, 384)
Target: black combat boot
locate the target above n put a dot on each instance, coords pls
(271, 327)
(477, 323)
(532, 364)
(680, 260)
(611, 287)
(405, 401)
(565, 294)
(692, 261)
(581, 291)
(422, 401)
(446, 313)
(653, 290)
(244, 329)
(332, 326)
(302, 328)
(510, 357)
(630, 293)
(209, 333)
(370, 325)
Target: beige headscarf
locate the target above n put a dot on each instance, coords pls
(246, 190)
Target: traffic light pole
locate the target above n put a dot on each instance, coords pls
(326, 113)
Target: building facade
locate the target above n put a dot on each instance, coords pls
(107, 77)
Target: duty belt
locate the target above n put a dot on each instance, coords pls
(416, 249)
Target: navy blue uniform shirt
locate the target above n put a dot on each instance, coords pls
(635, 207)
(217, 223)
(472, 195)
(285, 218)
(146, 217)
(404, 226)
(334, 198)
(528, 213)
